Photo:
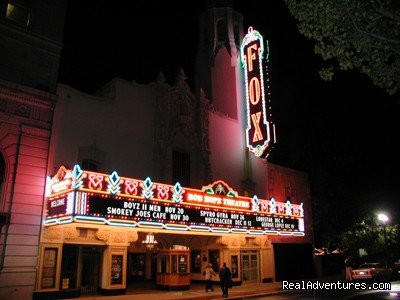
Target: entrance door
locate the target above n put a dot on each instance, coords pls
(136, 267)
(250, 266)
(90, 270)
(154, 267)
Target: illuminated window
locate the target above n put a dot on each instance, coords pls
(18, 14)
(90, 165)
(181, 168)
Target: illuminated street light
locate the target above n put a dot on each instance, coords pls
(384, 219)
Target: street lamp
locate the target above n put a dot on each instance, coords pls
(384, 219)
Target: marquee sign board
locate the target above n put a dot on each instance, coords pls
(94, 197)
(260, 131)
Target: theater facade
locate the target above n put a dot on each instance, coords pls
(151, 182)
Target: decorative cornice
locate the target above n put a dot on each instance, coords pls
(33, 131)
(132, 237)
(26, 106)
(103, 235)
(70, 233)
(28, 99)
(53, 233)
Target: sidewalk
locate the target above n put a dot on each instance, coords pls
(197, 292)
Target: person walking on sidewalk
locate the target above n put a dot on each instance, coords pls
(348, 263)
(208, 274)
(225, 278)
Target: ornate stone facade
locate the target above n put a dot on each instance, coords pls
(180, 114)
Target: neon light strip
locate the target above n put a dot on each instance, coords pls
(285, 233)
(271, 232)
(298, 233)
(58, 221)
(239, 230)
(259, 232)
(150, 224)
(89, 219)
(116, 223)
(199, 228)
(221, 230)
(175, 227)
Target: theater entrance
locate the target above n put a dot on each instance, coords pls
(91, 257)
(136, 267)
(250, 266)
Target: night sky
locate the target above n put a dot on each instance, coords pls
(344, 133)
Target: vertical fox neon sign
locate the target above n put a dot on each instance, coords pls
(260, 132)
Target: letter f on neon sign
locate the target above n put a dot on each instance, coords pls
(251, 56)
(257, 131)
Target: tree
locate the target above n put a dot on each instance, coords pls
(368, 234)
(363, 35)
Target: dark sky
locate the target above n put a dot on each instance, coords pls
(344, 133)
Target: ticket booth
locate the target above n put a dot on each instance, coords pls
(173, 269)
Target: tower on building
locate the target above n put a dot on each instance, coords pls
(217, 64)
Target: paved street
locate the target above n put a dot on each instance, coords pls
(259, 291)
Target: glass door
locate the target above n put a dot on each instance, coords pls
(250, 269)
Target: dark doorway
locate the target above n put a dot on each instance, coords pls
(90, 270)
(136, 267)
(154, 267)
(294, 261)
(69, 266)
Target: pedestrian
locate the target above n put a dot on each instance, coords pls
(225, 278)
(348, 263)
(208, 274)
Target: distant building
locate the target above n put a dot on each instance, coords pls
(30, 46)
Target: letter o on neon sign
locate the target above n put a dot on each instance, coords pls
(254, 90)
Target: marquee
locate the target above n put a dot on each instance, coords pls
(85, 196)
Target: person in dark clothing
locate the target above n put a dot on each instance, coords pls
(225, 278)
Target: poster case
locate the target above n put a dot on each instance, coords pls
(49, 268)
(116, 268)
